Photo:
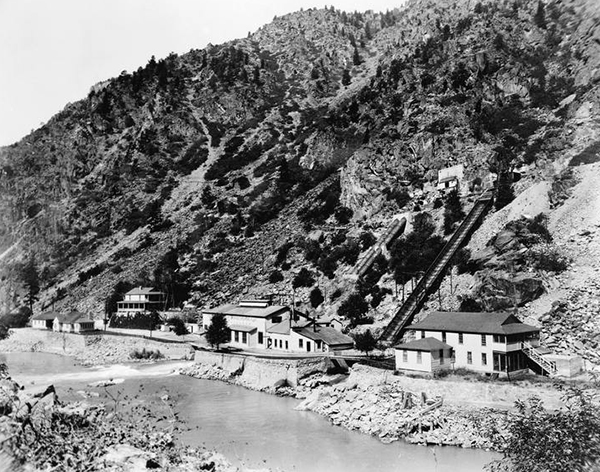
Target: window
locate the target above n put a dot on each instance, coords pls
(419, 357)
(237, 336)
(260, 338)
(460, 338)
(245, 338)
(404, 355)
(441, 356)
(308, 346)
(484, 359)
(300, 343)
(469, 357)
(422, 334)
(483, 340)
(499, 338)
(286, 345)
(443, 336)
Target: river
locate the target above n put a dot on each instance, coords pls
(251, 429)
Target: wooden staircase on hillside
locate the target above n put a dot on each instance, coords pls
(405, 314)
(536, 355)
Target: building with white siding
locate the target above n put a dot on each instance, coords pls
(483, 342)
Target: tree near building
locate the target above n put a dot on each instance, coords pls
(153, 320)
(365, 341)
(354, 309)
(179, 327)
(316, 297)
(218, 332)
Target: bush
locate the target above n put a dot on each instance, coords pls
(549, 258)
(275, 276)
(146, 354)
(304, 278)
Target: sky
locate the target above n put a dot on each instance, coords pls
(53, 51)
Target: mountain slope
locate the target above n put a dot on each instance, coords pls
(209, 170)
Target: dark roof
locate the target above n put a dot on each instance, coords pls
(484, 323)
(252, 312)
(330, 336)
(47, 315)
(73, 317)
(424, 344)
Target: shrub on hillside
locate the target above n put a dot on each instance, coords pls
(549, 258)
(275, 276)
(304, 278)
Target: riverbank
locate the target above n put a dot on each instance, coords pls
(91, 349)
(454, 412)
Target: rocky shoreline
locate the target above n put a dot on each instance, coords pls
(367, 402)
(106, 440)
(90, 349)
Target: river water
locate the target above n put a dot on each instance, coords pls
(251, 429)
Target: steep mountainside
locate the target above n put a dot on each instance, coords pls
(226, 170)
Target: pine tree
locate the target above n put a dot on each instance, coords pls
(356, 57)
(30, 278)
(218, 331)
(540, 16)
(346, 77)
(316, 297)
(453, 211)
(504, 191)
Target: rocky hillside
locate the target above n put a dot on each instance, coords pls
(227, 170)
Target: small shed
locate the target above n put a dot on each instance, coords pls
(44, 320)
(424, 355)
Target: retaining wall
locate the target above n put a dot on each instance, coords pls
(259, 372)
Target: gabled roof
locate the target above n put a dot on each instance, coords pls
(481, 323)
(252, 312)
(144, 291)
(330, 336)
(47, 315)
(424, 344)
(72, 317)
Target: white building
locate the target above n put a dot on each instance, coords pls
(424, 355)
(141, 299)
(451, 178)
(44, 320)
(73, 322)
(482, 342)
(248, 321)
(258, 324)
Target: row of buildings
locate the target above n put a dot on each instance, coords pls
(490, 343)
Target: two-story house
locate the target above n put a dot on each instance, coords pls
(141, 299)
(482, 342)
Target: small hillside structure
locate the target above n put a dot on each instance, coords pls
(491, 343)
(141, 299)
(451, 178)
(73, 322)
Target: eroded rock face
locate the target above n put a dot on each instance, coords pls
(498, 290)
